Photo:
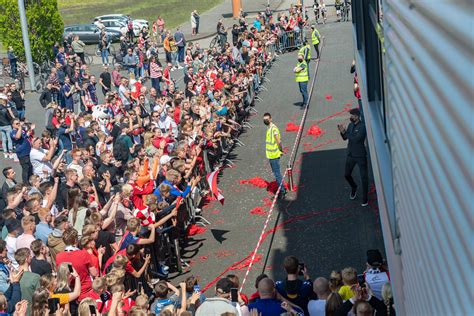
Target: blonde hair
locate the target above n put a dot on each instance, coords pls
(46, 281)
(63, 278)
(127, 190)
(387, 293)
(147, 139)
(88, 230)
(83, 309)
(349, 276)
(142, 301)
(115, 276)
(99, 284)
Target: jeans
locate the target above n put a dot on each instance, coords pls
(174, 59)
(275, 165)
(26, 168)
(134, 70)
(7, 144)
(21, 114)
(104, 53)
(304, 91)
(181, 54)
(155, 83)
(13, 68)
(364, 174)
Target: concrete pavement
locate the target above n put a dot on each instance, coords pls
(317, 223)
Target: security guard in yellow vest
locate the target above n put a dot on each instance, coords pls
(315, 37)
(273, 150)
(305, 50)
(302, 77)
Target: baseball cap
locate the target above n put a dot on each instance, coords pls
(374, 257)
(165, 159)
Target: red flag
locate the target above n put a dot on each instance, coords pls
(212, 180)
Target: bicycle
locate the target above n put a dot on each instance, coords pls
(214, 42)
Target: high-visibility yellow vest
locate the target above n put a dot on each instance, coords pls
(315, 37)
(271, 146)
(302, 76)
(305, 51)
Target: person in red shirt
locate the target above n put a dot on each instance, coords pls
(123, 259)
(80, 260)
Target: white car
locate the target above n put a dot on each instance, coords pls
(138, 24)
(116, 25)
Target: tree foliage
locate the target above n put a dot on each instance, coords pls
(45, 27)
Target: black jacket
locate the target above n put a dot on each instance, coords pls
(46, 97)
(5, 117)
(356, 135)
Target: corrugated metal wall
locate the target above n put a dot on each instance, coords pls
(429, 81)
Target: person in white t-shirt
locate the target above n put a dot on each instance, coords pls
(321, 288)
(41, 158)
(376, 274)
(76, 162)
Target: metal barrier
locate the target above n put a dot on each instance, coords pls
(290, 40)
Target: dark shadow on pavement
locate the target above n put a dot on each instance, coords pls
(322, 227)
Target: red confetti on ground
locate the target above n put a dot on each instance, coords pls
(273, 187)
(224, 253)
(328, 97)
(256, 181)
(214, 212)
(292, 127)
(267, 202)
(315, 131)
(258, 211)
(193, 229)
(348, 105)
(246, 263)
(203, 258)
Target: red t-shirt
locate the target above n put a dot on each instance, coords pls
(81, 261)
(128, 268)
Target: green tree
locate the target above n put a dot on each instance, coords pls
(45, 27)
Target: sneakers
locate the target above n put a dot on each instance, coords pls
(365, 203)
(15, 158)
(353, 194)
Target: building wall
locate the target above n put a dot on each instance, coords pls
(420, 134)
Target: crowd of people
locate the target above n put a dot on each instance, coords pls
(109, 189)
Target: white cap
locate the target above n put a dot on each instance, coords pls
(3, 96)
(164, 159)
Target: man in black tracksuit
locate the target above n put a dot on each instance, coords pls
(356, 154)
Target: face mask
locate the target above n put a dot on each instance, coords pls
(266, 122)
(300, 59)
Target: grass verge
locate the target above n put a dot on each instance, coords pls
(174, 12)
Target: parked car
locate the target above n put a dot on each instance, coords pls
(89, 34)
(116, 25)
(138, 24)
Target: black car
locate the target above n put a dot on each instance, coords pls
(89, 33)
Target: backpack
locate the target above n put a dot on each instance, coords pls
(120, 151)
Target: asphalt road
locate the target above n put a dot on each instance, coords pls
(317, 223)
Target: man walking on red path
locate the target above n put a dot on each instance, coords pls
(274, 150)
(356, 154)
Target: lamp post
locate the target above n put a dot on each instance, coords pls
(26, 43)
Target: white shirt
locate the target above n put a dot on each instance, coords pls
(376, 279)
(76, 167)
(11, 248)
(317, 307)
(40, 167)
